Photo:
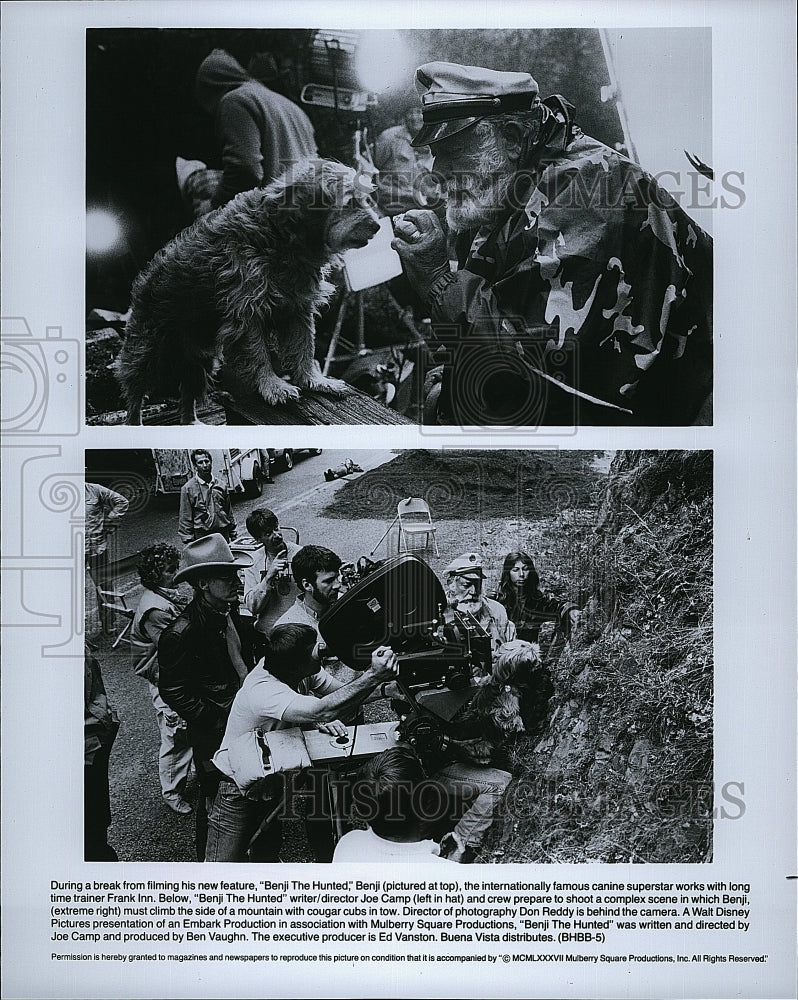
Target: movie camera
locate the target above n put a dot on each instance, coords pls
(401, 603)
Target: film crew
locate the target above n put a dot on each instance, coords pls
(159, 605)
(205, 507)
(526, 604)
(268, 588)
(260, 131)
(583, 291)
(203, 657)
(463, 581)
(104, 508)
(288, 688)
(389, 796)
(100, 726)
(317, 572)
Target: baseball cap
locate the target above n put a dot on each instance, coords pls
(455, 97)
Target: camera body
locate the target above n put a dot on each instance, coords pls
(402, 604)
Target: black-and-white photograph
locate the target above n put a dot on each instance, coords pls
(451, 227)
(468, 656)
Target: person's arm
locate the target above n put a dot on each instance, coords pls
(241, 149)
(309, 710)
(185, 520)
(117, 503)
(258, 597)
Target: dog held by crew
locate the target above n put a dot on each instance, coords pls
(244, 285)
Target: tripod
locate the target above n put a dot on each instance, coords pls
(359, 349)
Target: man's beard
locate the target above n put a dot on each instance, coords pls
(325, 600)
(478, 198)
(471, 607)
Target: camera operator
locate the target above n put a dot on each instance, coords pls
(288, 688)
(463, 579)
(268, 592)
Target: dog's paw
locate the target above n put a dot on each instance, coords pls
(275, 391)
(333, 386)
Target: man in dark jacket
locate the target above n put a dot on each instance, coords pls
(583, 293)
(203, 657)
(261, 132)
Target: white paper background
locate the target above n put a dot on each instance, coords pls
(43, 85)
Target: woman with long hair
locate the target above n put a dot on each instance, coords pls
(160, 604)
(526, 604)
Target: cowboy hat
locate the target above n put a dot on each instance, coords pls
(209, 553)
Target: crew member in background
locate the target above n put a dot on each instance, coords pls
(405, 179)
(100, 726)
(268, 586)
(205, 507)
(526, 604)
(104, 508)
(203, 657)
(260, 131)
(159, 605)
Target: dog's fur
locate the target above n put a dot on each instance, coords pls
(244, 284)
(514, 700)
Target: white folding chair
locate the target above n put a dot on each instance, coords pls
(414, 520)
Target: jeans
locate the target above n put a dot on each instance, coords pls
(174, 758)
(232, 822)
(475, 793)
(208, 785)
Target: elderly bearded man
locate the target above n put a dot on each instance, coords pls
(583, 294)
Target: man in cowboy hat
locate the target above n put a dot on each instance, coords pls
(463, 580)
(204, 656)
(583, 294)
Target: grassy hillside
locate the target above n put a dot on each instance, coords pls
(624, 772)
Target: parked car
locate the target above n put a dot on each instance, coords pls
(283, 458)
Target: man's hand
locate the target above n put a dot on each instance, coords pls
(384, 664)
(421, 243)
(334, 728)
(280, 565)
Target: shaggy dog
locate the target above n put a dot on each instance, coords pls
(244, 284)
(513, 700)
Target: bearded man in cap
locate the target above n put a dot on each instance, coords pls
(583, 294)
(463, 580)
(203, 657)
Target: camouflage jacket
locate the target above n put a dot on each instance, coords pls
(589, 303)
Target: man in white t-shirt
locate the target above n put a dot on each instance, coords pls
(293, 691)
(389, 795)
